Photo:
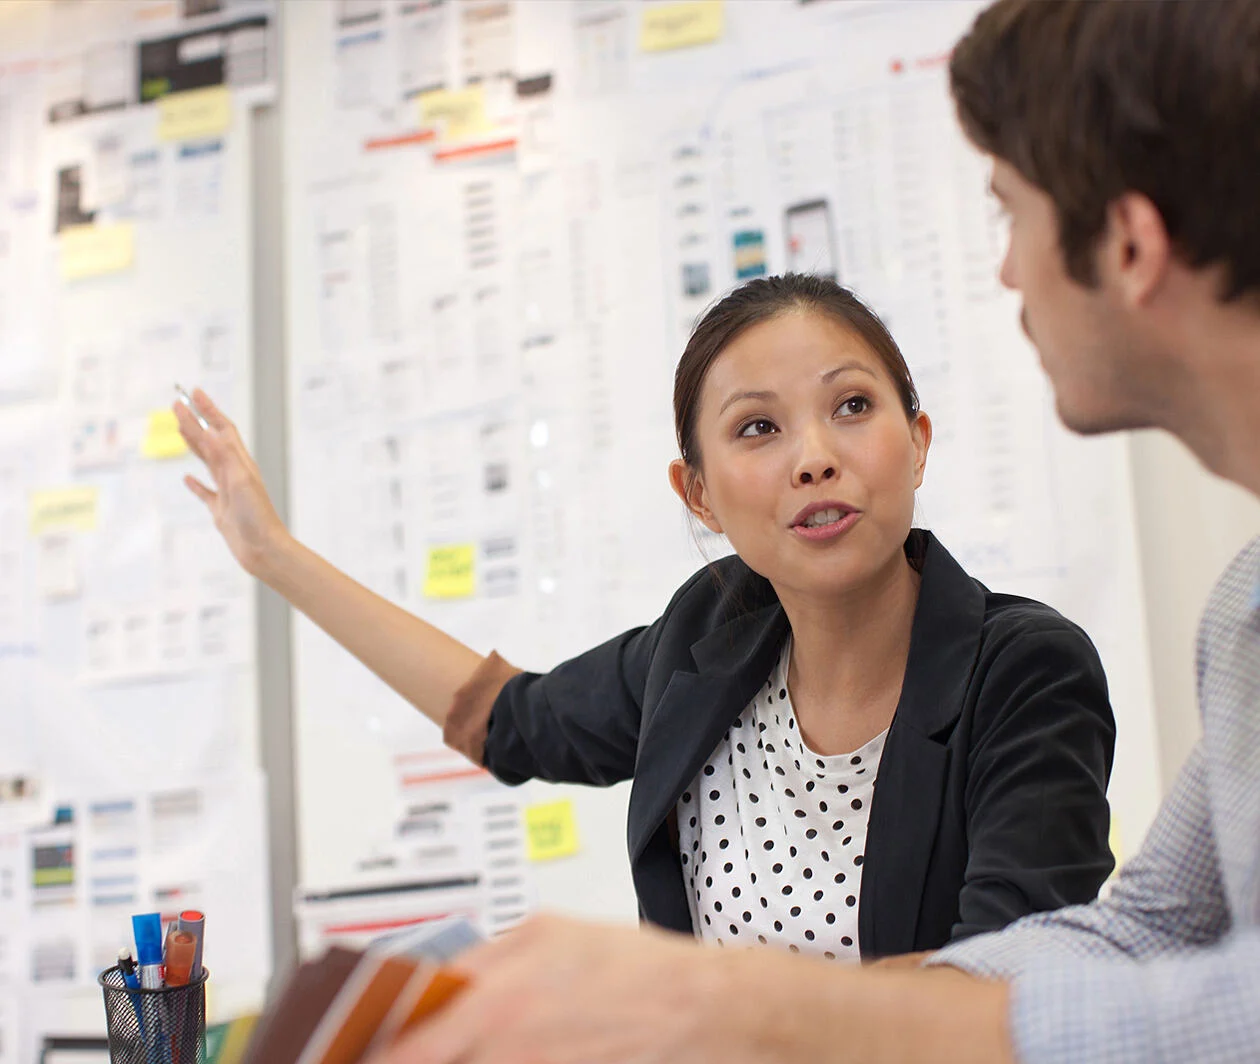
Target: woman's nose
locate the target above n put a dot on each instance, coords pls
(817, 458)
(813, 473)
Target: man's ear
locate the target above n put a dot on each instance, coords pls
(689, 487)
(1135, 252)
(921, 433)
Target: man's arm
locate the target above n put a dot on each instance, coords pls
(564, 992)
(1184, 1008)
(1168, 898)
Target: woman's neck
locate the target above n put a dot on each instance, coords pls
(849, 657)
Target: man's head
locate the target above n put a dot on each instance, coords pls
(1125, 150)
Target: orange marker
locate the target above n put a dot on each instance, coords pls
(181, 948)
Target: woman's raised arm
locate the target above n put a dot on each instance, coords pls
(422, 663)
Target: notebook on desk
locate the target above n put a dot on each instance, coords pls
(337, 1009)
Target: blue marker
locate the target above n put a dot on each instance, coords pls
(147, 927)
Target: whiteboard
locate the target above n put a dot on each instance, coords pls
(129, 762)
(503, 220)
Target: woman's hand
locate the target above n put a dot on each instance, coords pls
(239, 503)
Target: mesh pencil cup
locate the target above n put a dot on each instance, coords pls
(165, 1026)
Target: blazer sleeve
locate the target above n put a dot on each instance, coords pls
(578, 723)
(1036, 795)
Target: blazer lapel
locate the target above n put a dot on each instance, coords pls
(900, 834)
(694, 713)
(909, 790)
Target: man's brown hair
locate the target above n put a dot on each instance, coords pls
(1089, 99)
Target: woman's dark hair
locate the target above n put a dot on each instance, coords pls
(760, 300)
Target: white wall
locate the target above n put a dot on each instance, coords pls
(1190, 524)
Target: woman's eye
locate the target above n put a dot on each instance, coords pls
(760, 427)
(857, 404)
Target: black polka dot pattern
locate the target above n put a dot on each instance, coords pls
(778, 805)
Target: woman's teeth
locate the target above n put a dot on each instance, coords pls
(822, 517)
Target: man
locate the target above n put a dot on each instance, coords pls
(1125, 151)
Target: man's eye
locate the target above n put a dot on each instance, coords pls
(759, 427)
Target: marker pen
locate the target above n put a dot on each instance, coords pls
(183, 397)
(180, 951)
(147, 928)
(194, 922)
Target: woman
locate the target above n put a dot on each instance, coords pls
(838, 647)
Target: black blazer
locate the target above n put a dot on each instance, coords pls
(991, 795)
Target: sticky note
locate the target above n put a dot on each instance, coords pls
(551, 831)
(162, 438)
(683, 25)
(63, 508)
(462, 112)
(196, 113)
(89, 250)
(450, 572)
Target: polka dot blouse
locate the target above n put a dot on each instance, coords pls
(772, 834)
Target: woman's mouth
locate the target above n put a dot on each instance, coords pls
(826, 522)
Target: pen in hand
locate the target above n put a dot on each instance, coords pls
(183, 397)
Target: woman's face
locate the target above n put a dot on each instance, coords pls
(809, 463)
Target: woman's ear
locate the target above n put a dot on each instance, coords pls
(689, 487)
(921, 433)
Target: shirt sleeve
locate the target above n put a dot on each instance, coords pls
(1198, 1006)
(1169, 898)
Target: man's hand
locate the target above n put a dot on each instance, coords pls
(559, 991)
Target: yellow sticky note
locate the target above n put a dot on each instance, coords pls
(63, 508)
(551, 831)
(196, 113)
(462, 112)
(88, 250)
(162, 440)
(683, 25)
(450, 572)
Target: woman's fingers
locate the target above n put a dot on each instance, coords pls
(215, 417)
(194, 435)
(217, 445)
(200, 490)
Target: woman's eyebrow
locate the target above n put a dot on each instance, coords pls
(846, 367)
(827, 378)
(735, 397)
